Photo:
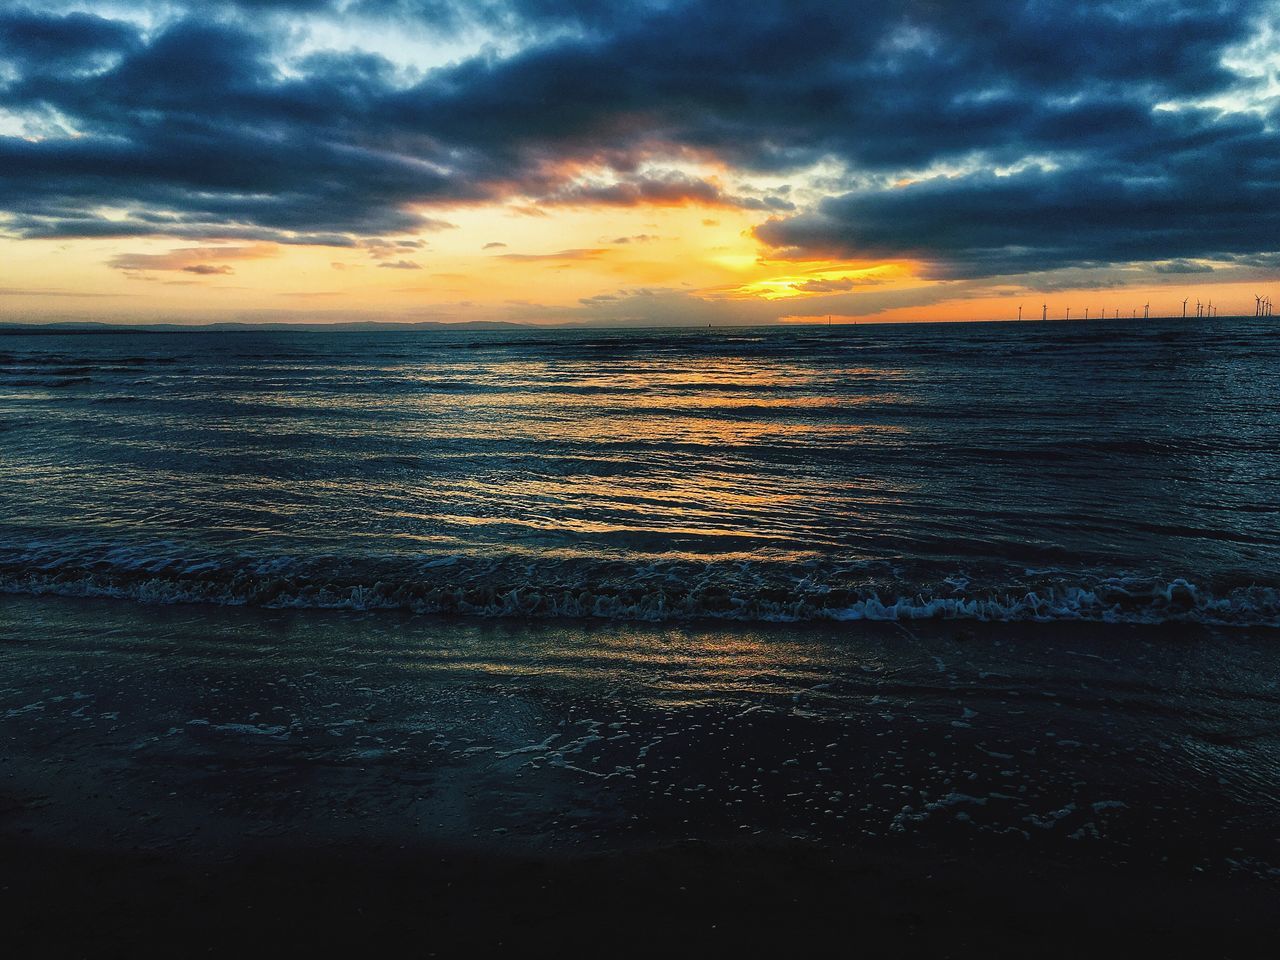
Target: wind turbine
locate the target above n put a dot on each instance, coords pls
(1044, 311)
(1086, 313)
(1198, 309)
(1068, 313)
(1146, 310)
(1184, 307)
(1019, 311)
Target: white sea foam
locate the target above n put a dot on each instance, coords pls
(637, 590)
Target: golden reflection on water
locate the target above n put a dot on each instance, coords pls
(666, 455)
(681, 665)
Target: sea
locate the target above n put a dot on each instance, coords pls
(1109, 472)
(1004, 596)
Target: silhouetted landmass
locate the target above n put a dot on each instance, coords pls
(80, 326)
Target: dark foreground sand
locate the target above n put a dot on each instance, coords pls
(687, 900)
(198, 781)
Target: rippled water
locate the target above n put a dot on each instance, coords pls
(1124, 471)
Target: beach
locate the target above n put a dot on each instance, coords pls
(320, 774)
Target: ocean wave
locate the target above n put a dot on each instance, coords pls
(653, 591)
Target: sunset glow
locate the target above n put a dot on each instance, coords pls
(318, 161)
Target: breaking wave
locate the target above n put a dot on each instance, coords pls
(629, 590)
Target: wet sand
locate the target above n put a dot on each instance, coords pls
(193, 780)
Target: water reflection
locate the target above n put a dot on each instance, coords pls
(1113, 450)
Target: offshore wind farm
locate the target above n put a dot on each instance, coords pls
(1202, 310)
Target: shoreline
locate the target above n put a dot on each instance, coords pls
(232, 777)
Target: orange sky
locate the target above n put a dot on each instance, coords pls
(510, 261)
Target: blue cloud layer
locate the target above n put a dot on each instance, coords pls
(188, 124)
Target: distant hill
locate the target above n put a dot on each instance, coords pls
(81, 326)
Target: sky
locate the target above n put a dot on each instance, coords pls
(662, 162)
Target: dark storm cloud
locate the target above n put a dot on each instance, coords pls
(196, 129)
(1172, 196)
(1183, 266)
(197, 135)
(40, 42)
(837, 285)
(901, 84)
(671, 190)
